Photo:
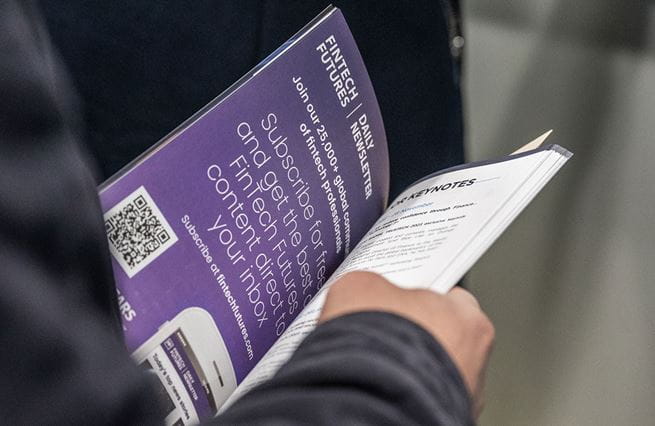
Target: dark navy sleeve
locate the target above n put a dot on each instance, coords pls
(62, 358)
(365, 368)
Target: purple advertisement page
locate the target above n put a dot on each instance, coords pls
(248, 210)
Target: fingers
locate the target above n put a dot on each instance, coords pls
(460, 295)
(464, 298)
(454, 319)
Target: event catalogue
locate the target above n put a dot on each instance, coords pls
(226, 234)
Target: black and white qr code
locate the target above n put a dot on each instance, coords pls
(137, 231)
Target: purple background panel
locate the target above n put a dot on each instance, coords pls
(175, 176)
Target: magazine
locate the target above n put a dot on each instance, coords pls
(226, 234)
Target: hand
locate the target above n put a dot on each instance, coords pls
(454, 319)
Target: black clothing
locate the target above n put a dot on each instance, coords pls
(365, 368)
(142, 67)
(62, 362)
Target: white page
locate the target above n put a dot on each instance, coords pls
(497, 225)
(418, 240)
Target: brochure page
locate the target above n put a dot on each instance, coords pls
(425, 231)
(228, 228)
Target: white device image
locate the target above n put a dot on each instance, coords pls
(192, 365)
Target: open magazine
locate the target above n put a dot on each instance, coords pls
(226, 234)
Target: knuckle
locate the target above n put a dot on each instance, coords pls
(360, 281)
(338, 286)
(364, 277)
(423, 294)
(434, 302)
(486, 327)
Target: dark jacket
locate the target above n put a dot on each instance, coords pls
(142, 67)
(62, 359)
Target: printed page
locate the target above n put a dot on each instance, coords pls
(224, 231)
(431, 235)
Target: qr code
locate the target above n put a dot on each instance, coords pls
(138, 232)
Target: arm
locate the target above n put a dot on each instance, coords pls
(376, 360)
(62, 362)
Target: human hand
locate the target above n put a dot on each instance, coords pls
(454, 319)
